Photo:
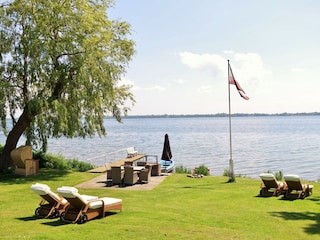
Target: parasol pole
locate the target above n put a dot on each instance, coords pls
(231, 173)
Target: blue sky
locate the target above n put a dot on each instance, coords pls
(180, 66)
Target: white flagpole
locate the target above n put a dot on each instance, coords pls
(231, 173)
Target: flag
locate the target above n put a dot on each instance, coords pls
(233, 81)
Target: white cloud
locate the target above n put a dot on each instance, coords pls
(205, 89)
(130, 83)
(179, 81)
(125, 81)
(152, 88)
(206, 61)
(247, 67)
(296, 70)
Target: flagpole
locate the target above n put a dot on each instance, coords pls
(231, 173)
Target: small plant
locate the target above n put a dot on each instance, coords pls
(202, 169)
(226, 173)
(182, 169)
(278, 175)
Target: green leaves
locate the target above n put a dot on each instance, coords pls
(64, 60)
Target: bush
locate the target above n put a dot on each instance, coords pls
(61, 163)
(182, 169)
(202, 169)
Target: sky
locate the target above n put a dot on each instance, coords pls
(183, 47)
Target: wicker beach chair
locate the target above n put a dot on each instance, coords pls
(270, 186)
(51, 204)
(83, 207)
(294, 187)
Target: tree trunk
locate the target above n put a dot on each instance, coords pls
(12, 140)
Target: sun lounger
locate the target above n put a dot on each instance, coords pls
(51, 204)
(295, 188)
(270, 186)
(83, 207)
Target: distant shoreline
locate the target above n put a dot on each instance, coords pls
(220, 115)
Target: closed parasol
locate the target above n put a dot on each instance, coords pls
(166, 153)
(167, 164)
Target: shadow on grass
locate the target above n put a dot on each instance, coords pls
(58, 222)
(55, 223)
(309, 198)
(199, 187)
(29, 218)
(281, 197)
(313, 228)
(44, 174)
(265, 196)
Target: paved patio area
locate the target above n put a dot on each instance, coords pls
(100, 182)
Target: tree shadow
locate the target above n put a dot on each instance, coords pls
(313, 228)
(44, 175)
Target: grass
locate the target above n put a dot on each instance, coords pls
(179, 208)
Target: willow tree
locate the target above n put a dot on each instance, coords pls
(61, 65)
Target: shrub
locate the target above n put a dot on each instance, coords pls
(202, 169)
(182, 169)
(61, 163)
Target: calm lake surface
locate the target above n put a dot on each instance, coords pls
(270, 143)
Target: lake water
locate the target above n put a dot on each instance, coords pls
(270, 143)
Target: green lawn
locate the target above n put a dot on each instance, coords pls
(179, 208)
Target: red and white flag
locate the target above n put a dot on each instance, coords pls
(233, 81)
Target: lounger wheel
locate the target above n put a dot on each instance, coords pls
(55, 214)
(83, 219)
(62, 216)
(37, 211)
(286, 194)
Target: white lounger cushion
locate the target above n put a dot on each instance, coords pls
(267, 176)
(106, 200)
(294, 178)
(72, 192)
(43, 189)
(291, 177)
